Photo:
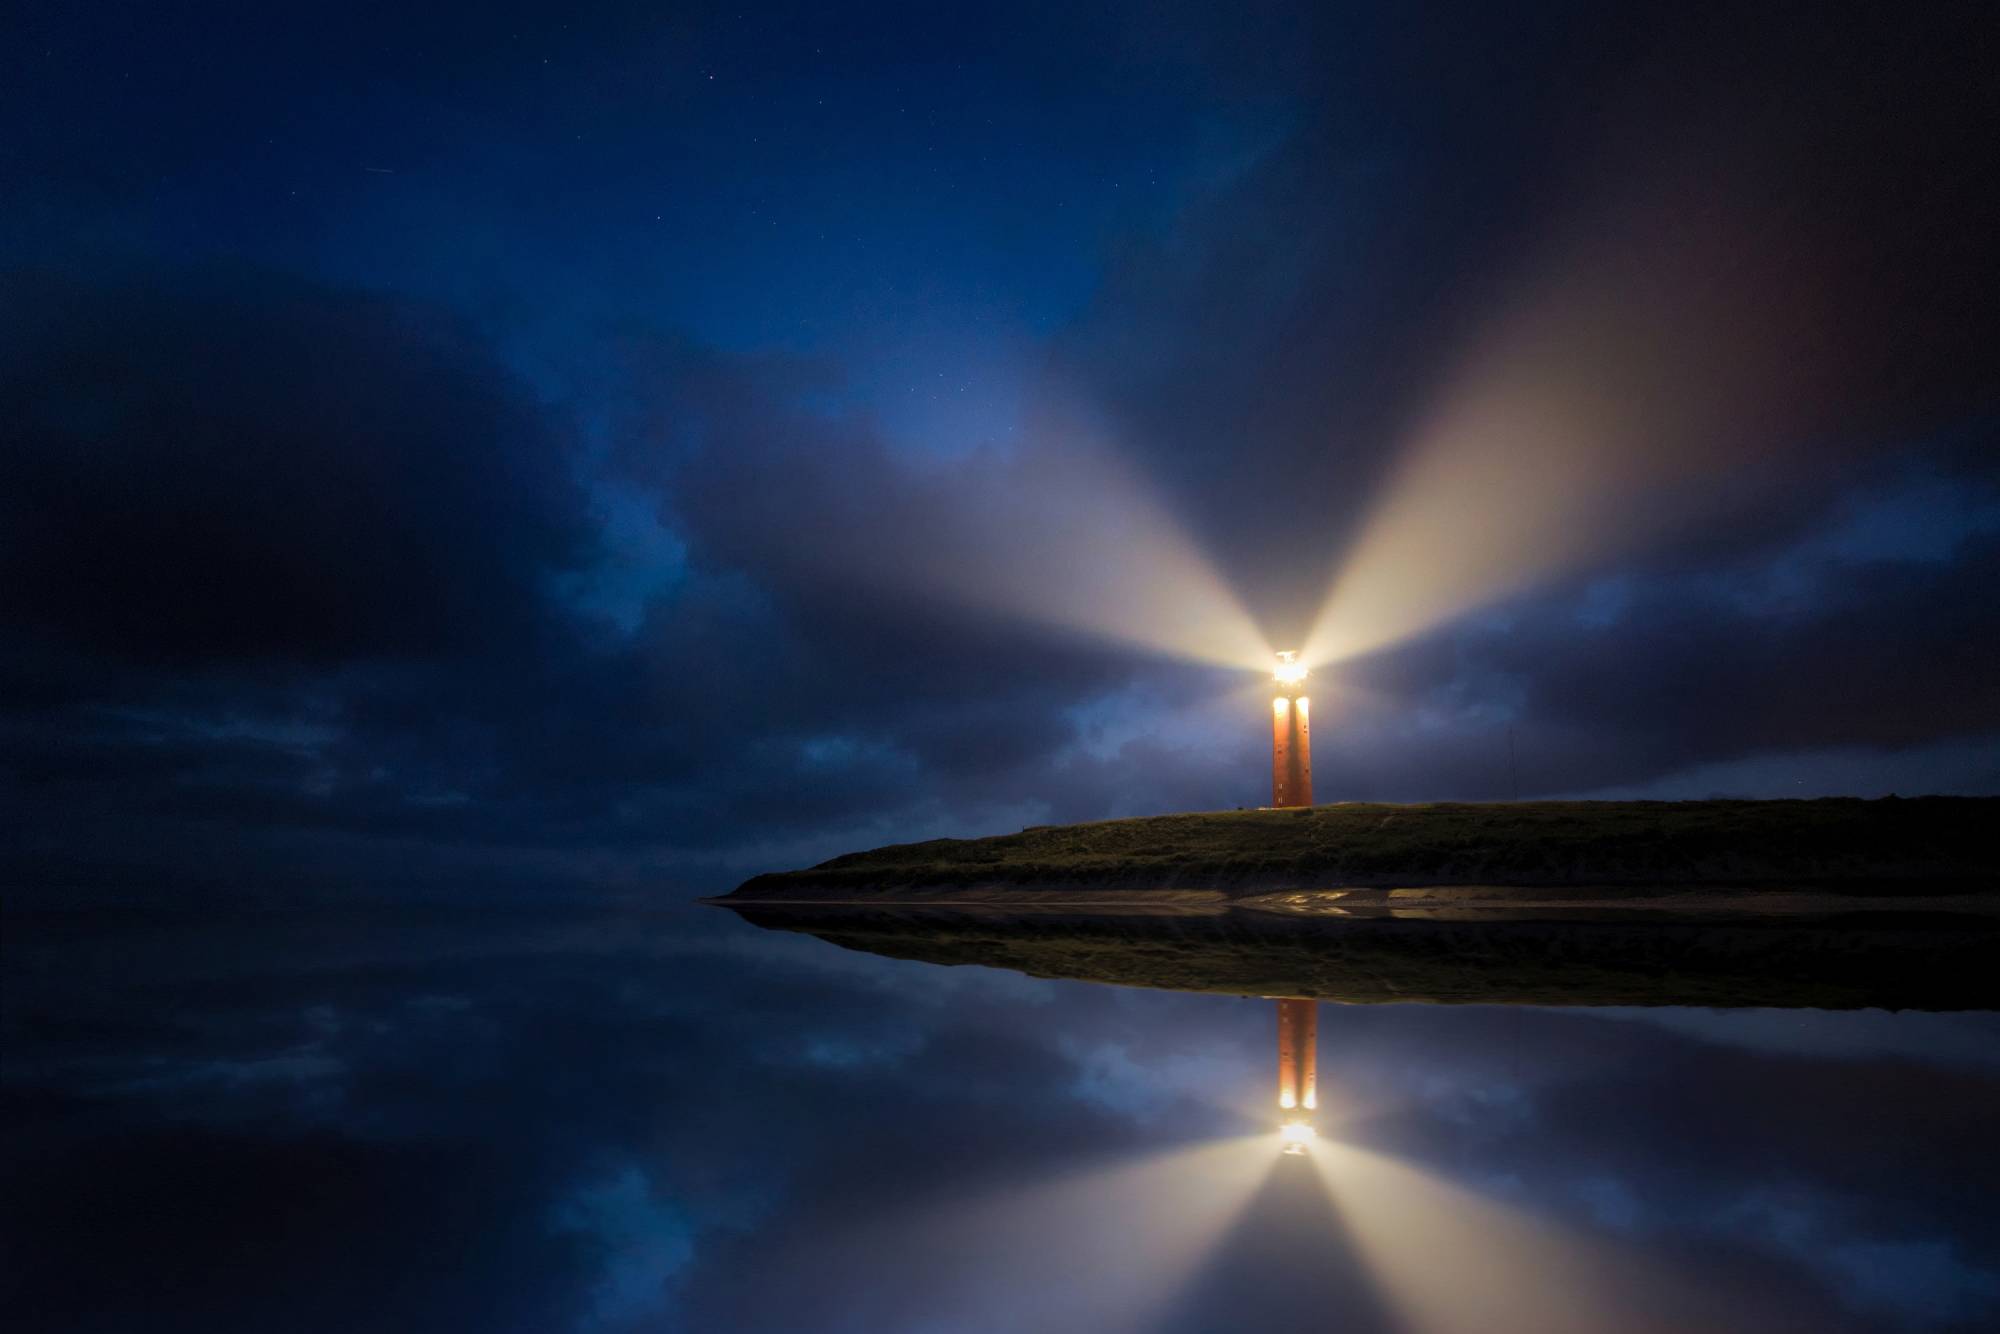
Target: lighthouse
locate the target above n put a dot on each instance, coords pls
(1298, 1071)
(1291, 734)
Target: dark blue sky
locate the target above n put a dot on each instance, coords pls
(616, 447)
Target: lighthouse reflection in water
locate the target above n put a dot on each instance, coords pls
(1298, 1071)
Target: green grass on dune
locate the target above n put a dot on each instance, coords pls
(1522, 843)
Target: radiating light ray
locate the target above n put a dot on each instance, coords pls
(1658, 366)
(1057, 530)
(1287, 1263)
(1059, 533)
(1084, 545)
(1450, 1260)
(1511, 485)
(1110, 1244)
(1103, 1249)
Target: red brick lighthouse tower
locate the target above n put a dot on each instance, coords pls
(1291, 735)
(1298, 1071)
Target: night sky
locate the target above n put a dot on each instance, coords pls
(621, 447)
(475, 477)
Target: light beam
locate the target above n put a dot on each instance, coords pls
(1452, 1261)
(1660, 363)
(1103, 1249)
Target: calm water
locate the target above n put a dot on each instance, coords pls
(538, 1121)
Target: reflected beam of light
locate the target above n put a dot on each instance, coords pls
(1448, 1260)
(1103, 1249)
(1289, 1263)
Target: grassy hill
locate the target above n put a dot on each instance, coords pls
(1831, 844)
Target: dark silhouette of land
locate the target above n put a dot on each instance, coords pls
(1888, 959)
(1830, 904)
(1694, 856)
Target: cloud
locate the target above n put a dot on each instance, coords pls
(601, 1183)
(645, 1243)
(1539, 332)
(246, 468)
(335, 602)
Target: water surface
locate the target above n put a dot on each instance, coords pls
(539, 1120)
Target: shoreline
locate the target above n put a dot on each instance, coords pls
(1905, 956)
(1345, 856)
(1472, 902)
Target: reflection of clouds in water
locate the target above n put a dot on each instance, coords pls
(890, 1046)
(702, 1124)
(643, 1244)
(305, 1083)
(1109, 1075)
(1926, 1279)
(1971, 1038)
(1474, 1104)
(1610, 1202)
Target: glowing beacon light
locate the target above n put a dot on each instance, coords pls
(1291, 735)
(1298, 1073)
